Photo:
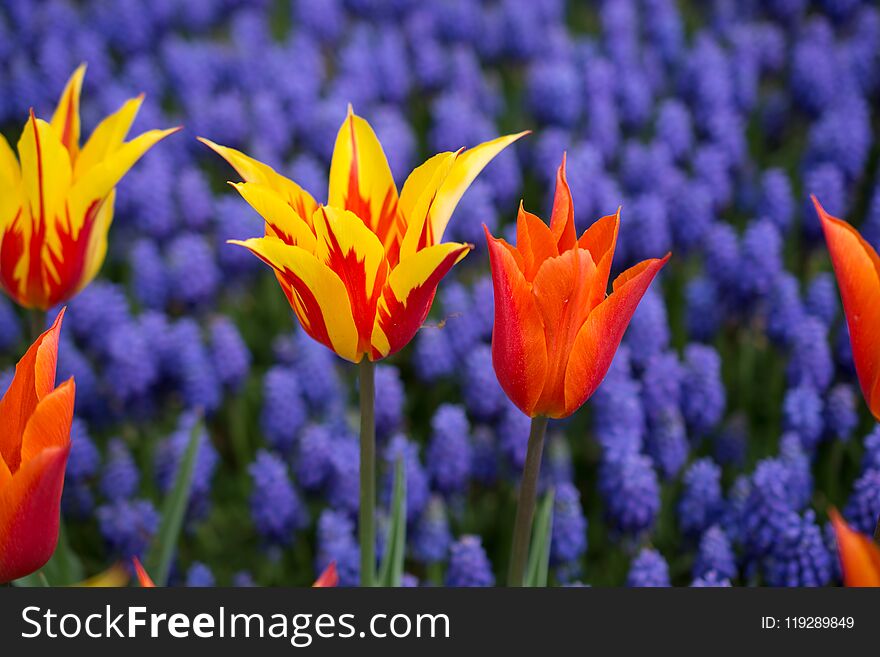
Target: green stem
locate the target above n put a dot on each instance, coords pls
(37, 321)
(525, 507)
(367, 520)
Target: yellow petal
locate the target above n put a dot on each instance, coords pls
(418, 193)
(107, 137)
(463, 172)
(252, 170)
(65, 121)
(45, 168)
(10, 185)
(360, 178)
(408, 294)
(96, 250)
(114, 577)
(99, 179)
(316, 293)
(280, 217)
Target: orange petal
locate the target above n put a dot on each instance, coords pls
(534, 241)
(857, 268)
(561, 289)
(519, 352)
(49, 426)
(29, 513)
(360, 178)
(144, 579)
(859, 556)
(598, 339)
(329, 578)
(562, 215)
(34, 379)
(600, 240)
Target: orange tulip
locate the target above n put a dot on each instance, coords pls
(35, 419)
(556, 331)
(361, 271)
(144, 578)
(859, 556)
(857, 268)
(56, 200)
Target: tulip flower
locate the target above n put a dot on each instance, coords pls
(35, 417)
(361, 271)
(144, 579)
(329, 578)
(56, 199)
(556, 331)
(857, 268)
(859, 557)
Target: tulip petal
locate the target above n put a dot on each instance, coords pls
(107, 137)
(600, 239)
(562, 215)
(46, 175)
(65, 121)
(857, 268)
(598, 339)
(29, 514)
(534, 241)
(356, 255)
(419, 192)
(281, 219)
(10, 172)
(316, 294)
(49, 426)
(144, 579)
(34, 379)
(329, 578)
(465, 169)
(255, 171)
(519, 351)
(407, 296)
(561, 289)
(360, 178)
(859, 556)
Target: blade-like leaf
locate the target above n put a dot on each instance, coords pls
(391, 569)
(539, 555)
(173, 511)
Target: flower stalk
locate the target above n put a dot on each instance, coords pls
(367, 519)
(525, 507)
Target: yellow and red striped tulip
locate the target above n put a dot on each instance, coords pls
(35, 417)
(555, 330)
(56, 199)
(859, 556)
(361, 271)
(857, 268)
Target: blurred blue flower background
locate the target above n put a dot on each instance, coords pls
(731, 417)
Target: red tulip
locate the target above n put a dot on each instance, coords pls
(329, 578)
(35, 419)
(859, 557)
(556, 331)
(144, 578)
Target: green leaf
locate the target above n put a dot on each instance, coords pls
(391, 568)
(158, 561)
(539, 555)
(63, 569)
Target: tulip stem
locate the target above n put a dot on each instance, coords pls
(525, 507)
(37, 323)
(366, 525)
